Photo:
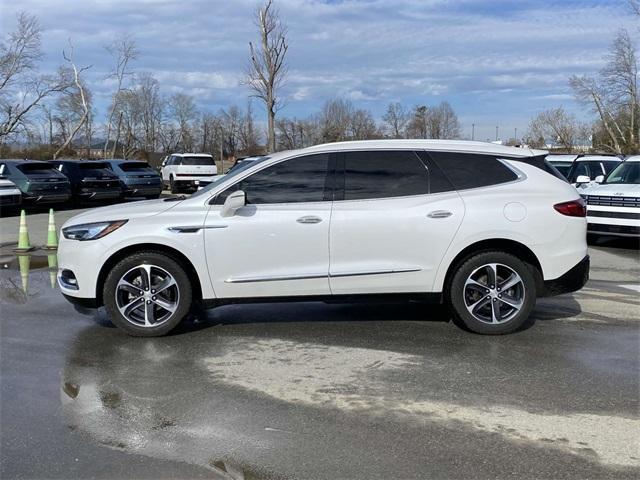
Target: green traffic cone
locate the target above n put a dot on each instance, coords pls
(52, 235)
(23, 235)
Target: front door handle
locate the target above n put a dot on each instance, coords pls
(309, 219)
(439, 214)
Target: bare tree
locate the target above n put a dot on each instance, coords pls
(363, 126)
(396, 119)
(123, 51)
(183, 110)
(335, 120)
(83, 98)
(443, 122)
(22, 88)
(418, 126)
(613, 95)
(558, 126)
(267, 69)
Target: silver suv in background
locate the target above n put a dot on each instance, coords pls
(188, 171)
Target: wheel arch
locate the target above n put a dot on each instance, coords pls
(149, 247)
(500, 244)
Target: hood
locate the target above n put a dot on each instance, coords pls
(122, 211)
(614, 190)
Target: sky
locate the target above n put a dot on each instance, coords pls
(498, 62)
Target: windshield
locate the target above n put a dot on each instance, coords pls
(230, 174)
(197, 161)
(562, 167)
(628, 172)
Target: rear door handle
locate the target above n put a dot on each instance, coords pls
(309, 219)
(439, 214)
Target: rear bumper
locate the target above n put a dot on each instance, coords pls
(100, 195)
(142, 190)
(571, 281)
(12, 199)
(46, 197)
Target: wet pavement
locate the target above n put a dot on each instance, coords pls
(322, 391)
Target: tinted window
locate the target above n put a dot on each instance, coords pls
(133, 166)
(297, 180)
(37, 168)
(609, 166)
(197, 161)
(383, 174)
(470, 170)
(590, 169)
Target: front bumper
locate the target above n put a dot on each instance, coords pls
(571, 281)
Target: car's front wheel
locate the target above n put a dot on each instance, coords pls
(172, 185)
(492, 293)
(147, 294)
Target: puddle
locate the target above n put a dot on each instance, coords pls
(17, 273)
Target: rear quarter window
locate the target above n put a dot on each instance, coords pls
(470, 170)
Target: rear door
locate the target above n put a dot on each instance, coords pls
(391, 223)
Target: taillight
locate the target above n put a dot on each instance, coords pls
(574, 208)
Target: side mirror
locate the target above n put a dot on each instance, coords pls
(583, 179)
(233, 202)
(599, 179)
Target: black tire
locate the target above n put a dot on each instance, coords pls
(168, 264)
(172, 185)
(457, 297)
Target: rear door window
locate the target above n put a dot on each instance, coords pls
(472, 170)
(383, 174)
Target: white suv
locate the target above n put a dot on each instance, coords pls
(613, 206)
(472, 224)
(188, 171)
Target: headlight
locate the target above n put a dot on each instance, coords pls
(91, 231)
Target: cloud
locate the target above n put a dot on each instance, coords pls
(494, 59)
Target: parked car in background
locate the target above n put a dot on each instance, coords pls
(589, 169)
(38, 181)
(10, 195)
(469, 223)
(90, 180)
(613, 206)
(562, 163)
(137, 178)
(188, 171)
(245, 162)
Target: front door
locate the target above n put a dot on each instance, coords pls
(388, 231)
(278, 244)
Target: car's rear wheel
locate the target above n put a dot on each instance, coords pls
(492, 293)
(147, 294)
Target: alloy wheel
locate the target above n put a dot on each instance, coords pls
(494, 293)
(147, 295)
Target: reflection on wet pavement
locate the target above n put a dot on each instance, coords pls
(24, 264)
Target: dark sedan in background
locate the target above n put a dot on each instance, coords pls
(90, 180)
(137, 178)
(39, 182)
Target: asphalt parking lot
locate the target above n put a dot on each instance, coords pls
(322, 391)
